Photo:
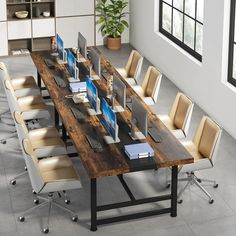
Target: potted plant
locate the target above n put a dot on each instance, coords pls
(111, 17)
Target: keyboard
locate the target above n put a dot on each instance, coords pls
(153, 132)
(59, 81)
(77, 113)
(94, 143)
(50, 64)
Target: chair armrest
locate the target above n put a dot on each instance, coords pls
(49, 132)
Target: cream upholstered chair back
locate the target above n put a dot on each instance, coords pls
(32, 166)
(181, 112)
(20, 122)
(151, 83)
(207, 138)
(134, 64)
(11, 98)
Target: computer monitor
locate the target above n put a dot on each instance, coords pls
(92, 95)
(139, 120)
(82, 45)
(60, 50)
(71, 67)
(95, 60)
(110, 123)
(118, 94)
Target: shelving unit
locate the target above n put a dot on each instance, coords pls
(35, 31)
(67, 17)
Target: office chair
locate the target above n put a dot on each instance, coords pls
(45, 141)
(178, 120)
(132, 69)
(22, 86)
(150, 86)
(204, 150)
(48, 176)
(32, 107)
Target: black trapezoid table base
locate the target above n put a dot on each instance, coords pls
(132, 202)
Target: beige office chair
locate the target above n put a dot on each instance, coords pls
(150, 86)
(22, 86)
(45, 141)
(5, 115)
(204, 150)
(32, 107)
(178, 120)
(132, 69)
(49, 175)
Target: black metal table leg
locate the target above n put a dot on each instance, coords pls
(56, 118)
(64, 133)
(174, 187)
(93, 196)
(39, 80)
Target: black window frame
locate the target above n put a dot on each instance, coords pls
(232, 42)
(181, 44)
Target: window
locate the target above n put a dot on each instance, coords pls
(182, 22)
(232, 46)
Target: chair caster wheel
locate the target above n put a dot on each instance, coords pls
(13, 182)
(21, 218)
(67, 201)
(36, 201)
(46, 230)
(199, 180)
(26, 168)
(211, 201)
(74, 218)
(180, 201)
(216, 186)
(33, 192)
(168, 185)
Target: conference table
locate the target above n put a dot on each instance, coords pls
(112, 161)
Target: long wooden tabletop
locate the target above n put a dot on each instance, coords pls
(112, 161)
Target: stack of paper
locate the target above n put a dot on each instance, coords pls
(78, 87)
(141, 150)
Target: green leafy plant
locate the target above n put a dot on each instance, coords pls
(111, 17)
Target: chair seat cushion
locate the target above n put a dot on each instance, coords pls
(58, 168)
(47, 142)
(139, 90)
(54, 163)
(122, 72)
(167, 122)
(23, 82)
(200, 162)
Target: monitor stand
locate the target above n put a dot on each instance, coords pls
(81, 59)
(72, 79)
(110, 140)
(137, 136)
(118, 109)
(95, 77)
(92, 112)
(60, 61)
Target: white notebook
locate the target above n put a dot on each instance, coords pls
(141, 150)
(78, 87)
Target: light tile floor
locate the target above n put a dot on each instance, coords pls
(195, 215)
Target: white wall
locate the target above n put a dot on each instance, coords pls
(204, 82)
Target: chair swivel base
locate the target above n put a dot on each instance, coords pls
(50, 202)
(13, 180)
(191, 180)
